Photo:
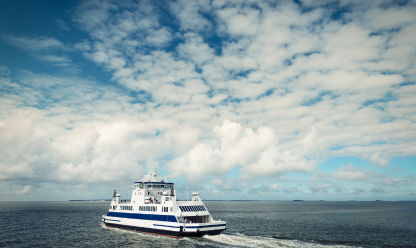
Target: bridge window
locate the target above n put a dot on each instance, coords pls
(191, 208)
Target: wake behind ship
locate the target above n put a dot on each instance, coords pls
(153, 208)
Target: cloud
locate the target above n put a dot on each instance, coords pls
(83, 45)
(42, 48)
(236, 146)
(217, 182)
(56, 60)
(319, 187)
(391, 181)
(356, 191)
(398, 17)
(25, 190)
(191, 14)
(352, 173)
(274, 187)
(4, 71)
(378, 160)
(378, 190)
(202, 88)
(62, 24)
(289, 190)
(35, 44)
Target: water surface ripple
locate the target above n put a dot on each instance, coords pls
(249, 224)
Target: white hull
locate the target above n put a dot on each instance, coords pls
(153, 208)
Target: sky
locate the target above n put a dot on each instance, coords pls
(238, 100)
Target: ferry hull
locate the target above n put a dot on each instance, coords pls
(165, 232)
(154, 208)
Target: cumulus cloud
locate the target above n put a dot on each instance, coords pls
(217, 182)
(319, 187)
(190, 14)
(356, 191)
(294, 87)
(256, 151)
(352, 173)
(378, 160)
(25, 190)
(289, 189)
(274, 187)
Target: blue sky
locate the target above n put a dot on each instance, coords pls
(267, 100)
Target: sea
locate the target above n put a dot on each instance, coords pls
(249, 224)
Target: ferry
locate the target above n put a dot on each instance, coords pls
(154, 208)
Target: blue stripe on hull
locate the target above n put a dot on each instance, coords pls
(167, 226)
(192, 226)
(205, 226)
(166, 232)
(154, 217)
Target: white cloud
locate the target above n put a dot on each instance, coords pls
(289, 190)
(319, 187)
(190, 14)
(352, 173)
(274, 187)
(234, 146)
(42, 48)
(35, 44)
(56, 60)
(378, 160)
(397, 17)
(217, 182)
(297, 87)
(83, 45)
(25, 190)
(356, 191)
(159, 37)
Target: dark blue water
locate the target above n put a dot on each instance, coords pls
(249, 224)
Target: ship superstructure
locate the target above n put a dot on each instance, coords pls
(154, 208)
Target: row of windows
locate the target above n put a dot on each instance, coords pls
(148, 208)
(192, 208)
(159, 217)
(114, 207)
(126, 207)
(153, 186)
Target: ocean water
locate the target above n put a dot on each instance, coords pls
(249, 224)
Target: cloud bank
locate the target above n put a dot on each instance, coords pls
(201, 89)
